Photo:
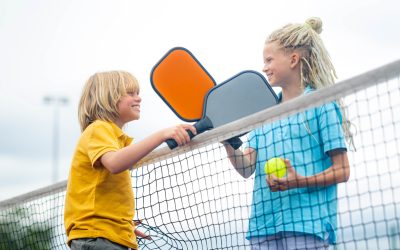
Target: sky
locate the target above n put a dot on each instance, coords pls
(50, 48)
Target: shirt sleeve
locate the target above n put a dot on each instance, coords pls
(101, 141)
(252, 140)
(330, 124)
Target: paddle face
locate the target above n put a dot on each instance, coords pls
(189, 90)
(244, 94)
(182, 83)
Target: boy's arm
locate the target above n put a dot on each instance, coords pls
(123, 159)
(243, 162)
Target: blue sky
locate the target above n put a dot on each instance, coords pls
(52, 47)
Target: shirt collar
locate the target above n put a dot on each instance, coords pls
(120, 134)
(307, 90)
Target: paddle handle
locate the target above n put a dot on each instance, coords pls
(204, 125)
(173, 144)
(201, 126)
(235, 142)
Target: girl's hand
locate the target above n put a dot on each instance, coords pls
(291, 180)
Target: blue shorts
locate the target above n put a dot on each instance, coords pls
(289, 241)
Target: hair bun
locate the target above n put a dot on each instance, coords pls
(315, 23)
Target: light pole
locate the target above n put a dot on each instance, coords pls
(56, 102)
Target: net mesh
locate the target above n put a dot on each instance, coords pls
(193, 198)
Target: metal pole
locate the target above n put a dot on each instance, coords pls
(56, 101)
(55, 143)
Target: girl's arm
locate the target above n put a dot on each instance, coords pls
(337, 173)
(123, 159)
(243, 162)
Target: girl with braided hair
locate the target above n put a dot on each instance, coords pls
(299, 210)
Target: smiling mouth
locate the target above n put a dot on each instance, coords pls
(136, 107)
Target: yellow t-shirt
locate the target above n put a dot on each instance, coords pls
(98, 203)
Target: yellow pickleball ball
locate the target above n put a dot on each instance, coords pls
(275, 166)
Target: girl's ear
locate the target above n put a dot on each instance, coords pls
(294, 59)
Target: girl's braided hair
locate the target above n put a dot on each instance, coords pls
(316, 68)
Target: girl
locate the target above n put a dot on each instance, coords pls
(99, 205)
(297, 211)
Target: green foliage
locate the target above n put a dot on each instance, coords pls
(18, 230)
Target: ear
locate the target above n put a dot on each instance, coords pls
(294, 59)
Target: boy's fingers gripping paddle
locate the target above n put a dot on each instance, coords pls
(244, 94)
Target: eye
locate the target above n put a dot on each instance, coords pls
(267, 60)
(132, 93)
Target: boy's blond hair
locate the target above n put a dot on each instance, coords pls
(101, 94)
(316, 67)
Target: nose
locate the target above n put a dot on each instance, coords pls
(265, 68)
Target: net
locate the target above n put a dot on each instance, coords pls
(193, 198)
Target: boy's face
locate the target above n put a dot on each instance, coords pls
(129, 107)
(276, 65)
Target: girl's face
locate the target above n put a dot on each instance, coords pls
(277, 65)
(129, 108)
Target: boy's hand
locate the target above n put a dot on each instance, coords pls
(179, 133)
(139, 233)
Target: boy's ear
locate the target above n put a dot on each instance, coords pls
(294, 59)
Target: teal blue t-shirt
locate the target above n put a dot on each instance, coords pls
(303, 138)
